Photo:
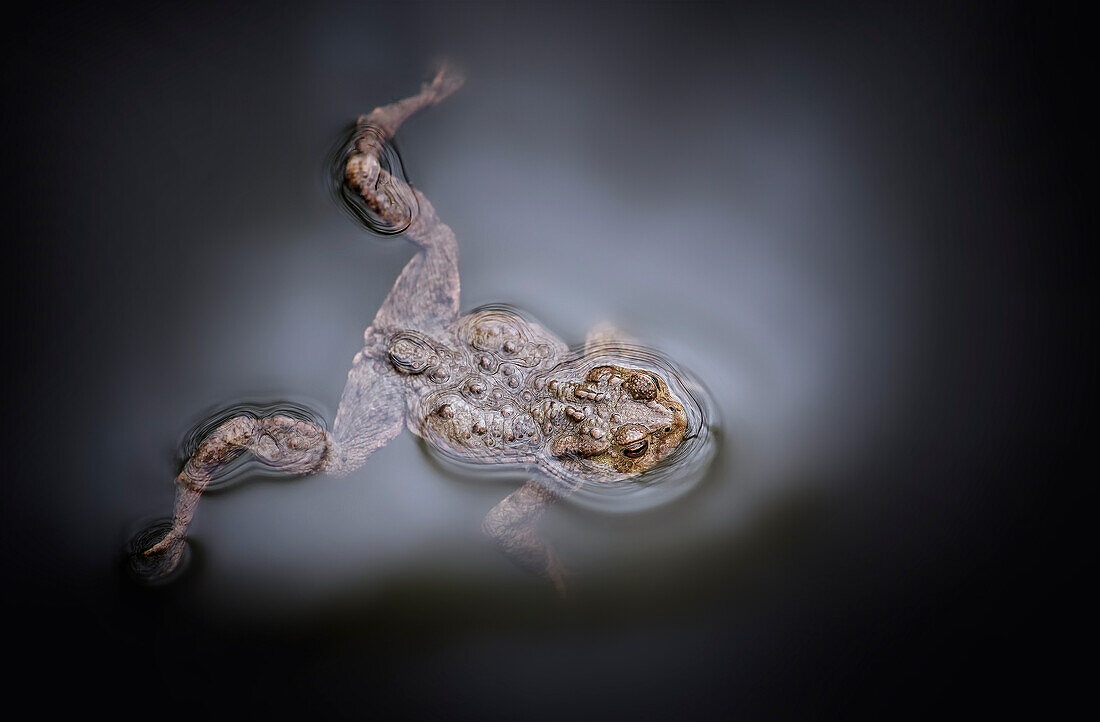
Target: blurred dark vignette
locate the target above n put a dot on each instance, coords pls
(870, 213)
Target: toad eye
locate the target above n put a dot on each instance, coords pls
(636, 450)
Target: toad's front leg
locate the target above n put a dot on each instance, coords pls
(513, 527)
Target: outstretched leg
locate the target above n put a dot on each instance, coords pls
(372, 407)
(426, 293)
(512, 526)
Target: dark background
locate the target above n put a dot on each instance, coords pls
(913, 573)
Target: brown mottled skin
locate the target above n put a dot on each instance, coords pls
(490, 387)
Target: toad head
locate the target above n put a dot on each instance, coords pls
(620, 421)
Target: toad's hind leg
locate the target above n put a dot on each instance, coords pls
(282, 443)
(371, 413)
(426, 293)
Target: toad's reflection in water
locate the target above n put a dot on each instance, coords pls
(492, 387)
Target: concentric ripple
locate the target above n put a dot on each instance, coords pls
(155, 569)
(528, 404)
(384, 182)
(674, 475)
(245, 464)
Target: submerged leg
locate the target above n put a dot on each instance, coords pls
(512, 526)
(371, 413)
(426, 293)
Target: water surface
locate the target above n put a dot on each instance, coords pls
(803, 207)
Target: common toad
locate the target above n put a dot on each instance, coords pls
(490, 387)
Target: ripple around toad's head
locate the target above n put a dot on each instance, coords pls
(674, 475)
(597, 488)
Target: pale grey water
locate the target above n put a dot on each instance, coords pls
(770, 198)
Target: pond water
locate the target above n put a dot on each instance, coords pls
(748, 193)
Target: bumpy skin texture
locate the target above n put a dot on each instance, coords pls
(490, 387)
